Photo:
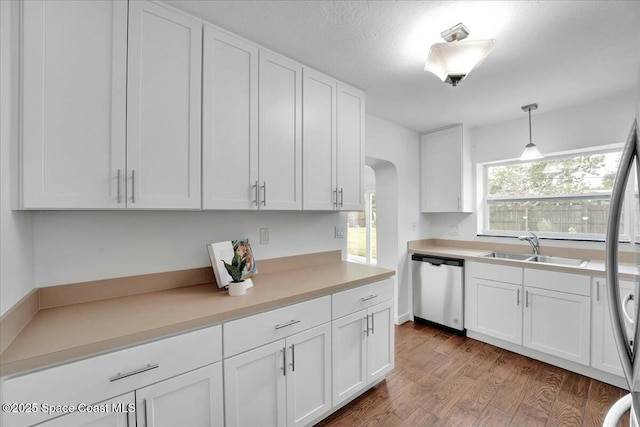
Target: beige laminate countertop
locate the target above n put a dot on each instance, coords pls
(61, 334)
(593, 268)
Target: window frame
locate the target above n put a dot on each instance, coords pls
(483, 199)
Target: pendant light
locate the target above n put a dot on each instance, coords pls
(530, 152)
(453, 61)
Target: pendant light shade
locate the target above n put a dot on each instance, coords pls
(454, 60)
(530, 152)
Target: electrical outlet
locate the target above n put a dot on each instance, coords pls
(265, 234)
(339, 232)
(454, 230)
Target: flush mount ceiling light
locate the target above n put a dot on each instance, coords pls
(454, 60)
(530, 152)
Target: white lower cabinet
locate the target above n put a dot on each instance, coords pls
(604, 352)
(557, 323)
(543, 310)
(191, 399)
(362, 350)
(167, 376)
(284, 383)
(309, 381)
(495, 309)
(117, 412)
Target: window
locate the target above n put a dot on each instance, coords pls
(361, 232)
(565, 196)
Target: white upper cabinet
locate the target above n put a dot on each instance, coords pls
(280, 133)
(132, 105)
(319, 142)
(229, 122)
(111, 112)
(163, 108)
(74, 104)
(350, 148)
(333, 141)
(446, 171)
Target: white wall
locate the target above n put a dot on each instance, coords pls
(79, 246)
(601, 122)
(16, 278)
(393, 152)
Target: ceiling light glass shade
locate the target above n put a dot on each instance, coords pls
(530, 152)
(453, 61)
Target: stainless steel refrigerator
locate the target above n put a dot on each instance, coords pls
(621, 320)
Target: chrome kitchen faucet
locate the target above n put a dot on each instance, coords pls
(533, 241)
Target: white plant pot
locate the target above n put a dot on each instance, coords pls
(237, 289)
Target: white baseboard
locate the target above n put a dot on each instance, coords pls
(406, 317)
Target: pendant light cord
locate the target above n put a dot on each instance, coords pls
(530, 139)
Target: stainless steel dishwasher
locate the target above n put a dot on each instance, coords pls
(438, 291)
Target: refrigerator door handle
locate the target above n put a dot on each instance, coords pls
(630, 363)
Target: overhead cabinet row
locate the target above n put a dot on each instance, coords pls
(127, 105)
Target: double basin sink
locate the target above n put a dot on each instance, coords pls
(541, 259)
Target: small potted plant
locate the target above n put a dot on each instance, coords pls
(237, 287)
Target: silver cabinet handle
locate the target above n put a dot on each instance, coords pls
(119, 198)
(598, 290)
(335, 198)
(624, 308)
(366, 330)
(459, 204)
(518, 297)
(120, 376)
(255, 189)
(264, 193)
(526, 298)
(341, 197)
(293, 358)
(373, 325)
(368, 298)
(133, 186)
(146, 420)
(289, 323)
(284, 361)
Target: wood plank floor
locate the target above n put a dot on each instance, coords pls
(442, 379)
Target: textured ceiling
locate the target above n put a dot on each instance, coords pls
(555, 53)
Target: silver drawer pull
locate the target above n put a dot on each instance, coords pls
(136, 372)
(289, 323)
(368, 298)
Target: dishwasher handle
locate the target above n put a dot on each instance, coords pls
(437, 261)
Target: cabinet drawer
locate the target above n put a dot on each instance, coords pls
(99, 378)
(253, 331)
(350, 301)
(557, 281)
(499, 273)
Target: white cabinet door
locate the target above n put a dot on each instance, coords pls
(255, 387)
(604, 352)
(193, 399)
(557, 323)
(116, 412)
(229, 122)
(350, 148)
(74, 103)
(446, 171)
(319, 142)
(308, 375)
(280, 134)
(494, 309)
(163, 108)
(349, 338)
(380, 342)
